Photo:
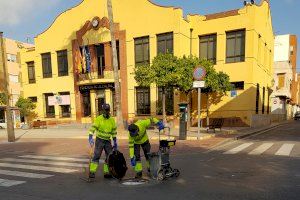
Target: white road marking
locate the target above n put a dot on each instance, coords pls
(238, 148)
(38, 168)
(44, 162)
(262, 148)
(285, 150)
(8, 183)
(55, 158)
(24, 174)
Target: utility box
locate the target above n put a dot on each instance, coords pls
(183, 121)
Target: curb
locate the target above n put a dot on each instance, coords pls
(258, 132)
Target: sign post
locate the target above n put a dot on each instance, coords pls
(199, 74)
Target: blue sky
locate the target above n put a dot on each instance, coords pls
(22, 19)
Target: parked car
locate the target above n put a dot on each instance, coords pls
(297, 116)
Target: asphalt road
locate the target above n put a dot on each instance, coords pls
(260, 167)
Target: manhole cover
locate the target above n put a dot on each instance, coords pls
(134, 182)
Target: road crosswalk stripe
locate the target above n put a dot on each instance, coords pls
(285, 150)
(262, 148)
(24, 174)
(8, 183)
(43, 162)
(38, 168)
(238, 148)
(56, 158)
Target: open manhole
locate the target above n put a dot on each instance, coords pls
(134, 182)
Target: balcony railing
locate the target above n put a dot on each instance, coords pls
(94, 75)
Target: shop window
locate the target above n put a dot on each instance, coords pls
(240, 85)
(165, 43)
(86, 100)
(235, 46)
(50, 111)
(62, 62)
(169, 101)
(46, 64)
(31, 72)
(65, 110)
(33, 99)
(143, 100)
(141, 50)
(208, 47)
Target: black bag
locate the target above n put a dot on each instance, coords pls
(117, 164)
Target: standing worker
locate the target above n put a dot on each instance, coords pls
(138, 138)
(105, 129)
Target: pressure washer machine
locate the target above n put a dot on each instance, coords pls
(160, 166)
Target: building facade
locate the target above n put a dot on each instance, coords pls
(69, 72)
(284, 97)
(10, 61)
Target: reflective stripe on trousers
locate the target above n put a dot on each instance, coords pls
(94, 167)
(138, 167)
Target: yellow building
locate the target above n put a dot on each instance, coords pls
(67, 89)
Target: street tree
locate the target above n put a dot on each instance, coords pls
(216, 83)
(162, 72)
(26, 107)
(3, 98)
(115, 64)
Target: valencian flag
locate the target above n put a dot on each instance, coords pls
(87, 59)
(83, 63)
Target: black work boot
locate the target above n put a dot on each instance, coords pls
(107, 176)
(139, 175)
(91, 175)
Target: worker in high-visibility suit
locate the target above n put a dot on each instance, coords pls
(138, 138)
(105, 128)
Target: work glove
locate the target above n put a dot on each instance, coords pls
(160, 125)
(91, 140)
(115, 144)
(133, 161)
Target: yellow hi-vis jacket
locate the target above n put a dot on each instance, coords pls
(142, 136)
(104, 128)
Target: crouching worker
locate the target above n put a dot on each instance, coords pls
(105, 128)
(138, 138)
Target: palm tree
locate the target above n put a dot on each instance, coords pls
(115, 65)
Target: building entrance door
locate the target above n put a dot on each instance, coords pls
(99, 104)
(100, 100)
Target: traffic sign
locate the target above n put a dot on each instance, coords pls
(199, 73)
(198, 84)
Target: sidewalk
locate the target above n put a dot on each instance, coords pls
(80, 131)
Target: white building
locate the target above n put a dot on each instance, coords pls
(285, 76)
